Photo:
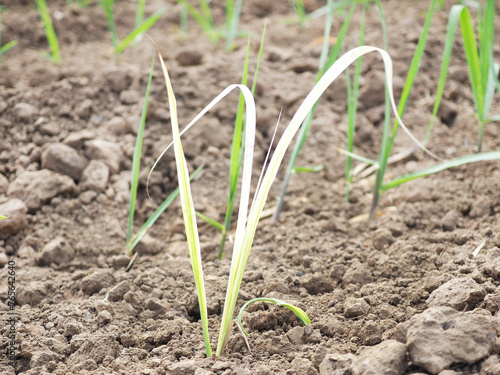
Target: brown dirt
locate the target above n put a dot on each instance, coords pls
(360, 282)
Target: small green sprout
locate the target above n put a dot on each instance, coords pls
(248, 217)
(299, 313)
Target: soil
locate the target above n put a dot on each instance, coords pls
(400, 294)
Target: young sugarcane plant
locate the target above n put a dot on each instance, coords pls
(247, 225)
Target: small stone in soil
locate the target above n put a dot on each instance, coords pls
(96, 346)
(448, 112)
(96, 281)
(37, 187)
(95, 176)
(77, 139)
(189, 58)
(118, 291)
(57, 252)
(441, 336)
(104, 317)
(382, 238)
(388, 358)
(449, 222)
(24, 112)
(149, 245)
(4, 184)
(202, 371)
(117, 126)
(129, 97)
(154, 304)
(118, 80)
(31, 293)
(295, 335)
(317, 284)
(71, 329)
(480, 208)
(336, 364)
(109, 153)
(41, 358)
(459, 293)
(4, 259)
(185, 367)
(119, 261)
(15, 210)
(303, 366)
(372, 93)
(357, 274)
(490, 366)
(354, 307)
(261, 321)
(84, 109)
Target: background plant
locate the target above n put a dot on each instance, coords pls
(80, 3)
(389, 133)
(55, 53)
(327, 58)
(205, 20)
(483, 73)
(6, 47)
(141, 25)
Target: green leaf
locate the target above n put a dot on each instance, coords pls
(146, 25)
(316, 168)
(211, 221)
(352, 107)
(110, 19)
(136, 159)
(299, 313)
(484, 156)
(451, 28)
(472, 56)
(236, 156)
(205, 20)
(49, 30)
(188, 211)
(233, 12)
(6, 47)
(357, 157)
(139, 13)
(492, 118)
